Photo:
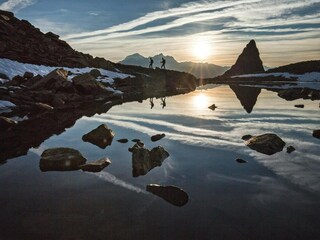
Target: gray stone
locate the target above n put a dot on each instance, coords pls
(267, 143)
(96, 166)
(102, 136)
(87, 84)
(95, 72)
(61, 159)
(157, 137)
(171, 194)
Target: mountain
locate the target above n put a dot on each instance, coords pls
(248, 61)
(21, 41)
(200, 70)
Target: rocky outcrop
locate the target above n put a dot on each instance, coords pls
(267, 143)
(21, 41)
(299, 68)
(297, 93)
(171, 194)
(61, 159)
(102, 136)
(87, 84)
(248, 62)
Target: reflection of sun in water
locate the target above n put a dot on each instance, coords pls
(201, 49)
(200, 101)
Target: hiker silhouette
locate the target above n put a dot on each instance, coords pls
(151, 63)
(163, 102)
(151, 102)
(163, 63)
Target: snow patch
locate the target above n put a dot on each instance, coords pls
(307, 77)
(6, 104)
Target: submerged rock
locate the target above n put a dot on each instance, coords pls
(144, 160)
(123, 140)
(96, 166)
(290, 149)
(246, 137)
(171, 194)
(316, 133)
(239, 160)
(267, 143)
(213, 107)
(157, 137)
(61, 159)
(299, 106)
(102, 136)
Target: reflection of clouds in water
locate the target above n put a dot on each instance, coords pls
(112, 179)
(39, 150)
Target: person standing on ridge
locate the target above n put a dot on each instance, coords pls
(163, 63)
(151, 62)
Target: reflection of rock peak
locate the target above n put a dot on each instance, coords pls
(247, 96)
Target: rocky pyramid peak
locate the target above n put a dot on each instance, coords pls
(248, 61)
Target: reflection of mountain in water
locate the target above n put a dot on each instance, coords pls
(247, 96)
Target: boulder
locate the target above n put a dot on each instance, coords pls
(102, 136)
(316, 133)
(43, 107)
(171, 194)
(52, 80)
(61, 159)
(267, 143)
(28, 75)
(95, 72)
(136, 146)
(290, 149)
(96, 166)
(17, 80)
(6, 123)
(144, 160)
(87, 84)
(157, 137)
(248, 61)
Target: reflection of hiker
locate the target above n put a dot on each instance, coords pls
(151, 102)
(151, 63)
(163, 102)
(163, 63)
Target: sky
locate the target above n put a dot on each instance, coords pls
(213, 31)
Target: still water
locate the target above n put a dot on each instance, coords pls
(269, 197)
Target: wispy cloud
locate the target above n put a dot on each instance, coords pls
(16, 5)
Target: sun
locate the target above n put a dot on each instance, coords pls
(201, 49)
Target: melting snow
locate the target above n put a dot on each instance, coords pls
(6, 104)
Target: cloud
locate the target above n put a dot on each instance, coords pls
(16, 5)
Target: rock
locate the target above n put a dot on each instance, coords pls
(316, 133)
(6, 123)
(239, 160)
(3, 76)
(61, 159)
(248, 62)
(157, 137)
(123, 140)
(17, 80)
(290, 149)
(102, 136)
(158, 155)
(57, 102)
(95, 72)
(96, 166)
(290, 94)
(171, 194)
(43, 107)
(52, 35)
(87, 84)
(213, 107)
(136, 146)
(52, 80)
(28, 75)
(267, 143)
(246, 137)
(299, 106)
(136, 140)
(144, 160)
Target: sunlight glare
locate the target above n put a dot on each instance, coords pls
(200, 101)
(201, 49)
